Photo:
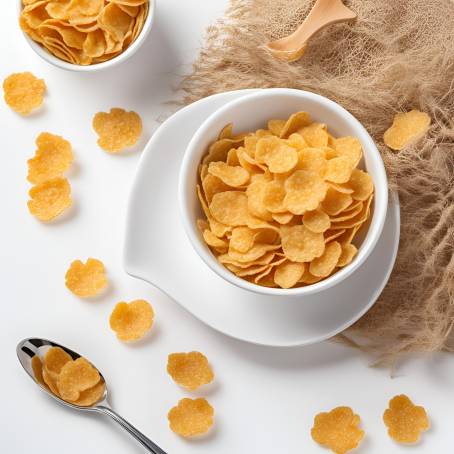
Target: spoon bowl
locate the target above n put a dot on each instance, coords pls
(28, 348)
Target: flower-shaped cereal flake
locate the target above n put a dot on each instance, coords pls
(405, 420)
(86, 279)
(191, 417)
(190, 370)
(117, 129)
(131, 321)
(23, 92)
(50, 199)
(338, 430)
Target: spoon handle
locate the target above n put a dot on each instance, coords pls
(139, 436)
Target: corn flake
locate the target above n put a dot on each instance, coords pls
(339, 170)
(348, 253)
(190, 370)
(117, 129)
(305, 190)
(362, 184)
(301, 244)
(315, 135)
(191, 417)
(295, 122)
(37, 368)
(49, 199)
(406, 128)
(335, 202)
(131, 320)
(349, 147)
(288, 274)
(324, 265)
(230, 208)
(405, 421)
(338, 430)
(278, 156)
(317, 221)
(86, 280)
(52, 158)
(23, 92)
(75, 377)
(54, 360)
(91, 395)
(233, 176)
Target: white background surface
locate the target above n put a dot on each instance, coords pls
(264, 398)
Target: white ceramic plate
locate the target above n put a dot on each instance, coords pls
(158, 251)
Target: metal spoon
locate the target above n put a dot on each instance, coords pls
(28, 348)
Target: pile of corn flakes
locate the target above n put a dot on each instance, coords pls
(283, 205)
(84, 32)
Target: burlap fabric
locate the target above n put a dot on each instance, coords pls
(397, 56)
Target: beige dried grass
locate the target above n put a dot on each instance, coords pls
(397, 56)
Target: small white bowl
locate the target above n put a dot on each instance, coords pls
(131, 50)
(252, 112)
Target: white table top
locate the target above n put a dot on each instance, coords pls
(265, 399)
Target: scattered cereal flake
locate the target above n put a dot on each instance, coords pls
(405, 420)
(190, 370)
(52, 158)
(75, 377)
(317, 221)
(301, 244)
(191, 417)
(23, 92)
(338, 430)
(49, 199)
(324, 265)
(283, 218)
(131, 320)
(406, 128)
(230, 208)
(86, 279)
(55, 358)
(288, 274)
(117, 129)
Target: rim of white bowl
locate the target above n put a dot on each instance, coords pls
(374, 230)
(129, 52)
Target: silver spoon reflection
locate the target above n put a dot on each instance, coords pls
(28, 348)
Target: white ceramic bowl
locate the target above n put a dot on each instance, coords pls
(252, 112)
(131, 50)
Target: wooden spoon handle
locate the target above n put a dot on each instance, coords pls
(323, 13)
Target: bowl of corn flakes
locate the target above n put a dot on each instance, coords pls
(283, 192)
(85, 35)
